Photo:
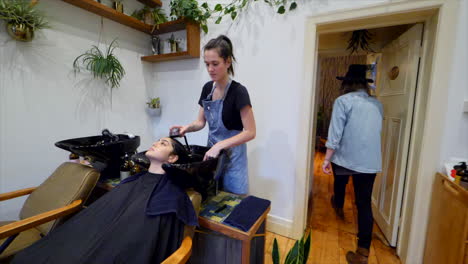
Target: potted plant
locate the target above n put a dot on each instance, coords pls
(22, 19)
(190, 10)
(102, 65)
(174, 44)
(154, 107)
(118, 5)
(150, 16)
(298, 253)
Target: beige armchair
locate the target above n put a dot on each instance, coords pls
(47, 206)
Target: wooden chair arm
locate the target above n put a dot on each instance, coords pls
(181, 255)
(17, 193)
(30, 222)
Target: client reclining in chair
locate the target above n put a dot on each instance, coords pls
(140, 221)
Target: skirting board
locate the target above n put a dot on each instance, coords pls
(279, 225)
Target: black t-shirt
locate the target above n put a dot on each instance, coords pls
(236, 98)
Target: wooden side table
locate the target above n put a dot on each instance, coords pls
(215, 242)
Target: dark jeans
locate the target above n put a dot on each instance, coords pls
(363, 184)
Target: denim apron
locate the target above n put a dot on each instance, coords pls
(235, 176)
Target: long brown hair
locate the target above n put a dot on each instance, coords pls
(353, 86)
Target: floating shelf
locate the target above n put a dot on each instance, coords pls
(112, 14)
(193, 41)
(151, 3)
(168, 57)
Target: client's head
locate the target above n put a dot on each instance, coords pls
(167, 150)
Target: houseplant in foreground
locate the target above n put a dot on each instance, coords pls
(298, 253)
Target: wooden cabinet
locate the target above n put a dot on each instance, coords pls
(447, 232)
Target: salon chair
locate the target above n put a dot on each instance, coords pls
(181, 255)
(48, 205)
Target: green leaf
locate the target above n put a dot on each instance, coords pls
(244, 2)
(275, 254)
(293, 6)
(281, 10)
(204, 5)
(218, 20)
(218, 7)
(233, 15)
(292, 254)
(306, 248)
(205, 28)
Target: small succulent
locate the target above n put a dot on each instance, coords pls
(154, 103)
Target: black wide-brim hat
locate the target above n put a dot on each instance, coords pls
(356, 73)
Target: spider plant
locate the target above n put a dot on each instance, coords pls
(360, 39)
(21, 18)
(104, 66)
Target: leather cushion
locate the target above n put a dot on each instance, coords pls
(23, 240)
(69, 182)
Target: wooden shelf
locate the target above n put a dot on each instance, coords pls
(112, 14)
(151, 3)
(171, 26)
(193, 41)
(168, 57)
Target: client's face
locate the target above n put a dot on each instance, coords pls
(162, 151)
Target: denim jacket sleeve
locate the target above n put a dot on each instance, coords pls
(337, 124)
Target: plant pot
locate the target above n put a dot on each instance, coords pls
(148, 18)
(118, 5)
(153, 111)
(20, 32)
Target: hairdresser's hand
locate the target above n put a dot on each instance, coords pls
(326, 167)
(182, 130)
(212, 153)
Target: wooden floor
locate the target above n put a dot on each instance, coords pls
(331, 237)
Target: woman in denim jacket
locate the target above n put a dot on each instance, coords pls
(353, 148)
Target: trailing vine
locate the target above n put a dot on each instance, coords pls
(190, 9)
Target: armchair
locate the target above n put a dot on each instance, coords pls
(48, 205)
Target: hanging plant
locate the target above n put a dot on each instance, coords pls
(22, 19)
(190, 9)
(360, 39)
(102, 65)
(235, 7)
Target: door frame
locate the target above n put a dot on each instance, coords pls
(439, 17)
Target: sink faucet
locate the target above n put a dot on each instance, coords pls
(107, 133)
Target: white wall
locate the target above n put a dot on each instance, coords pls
(41, 102)
(456, 125)
(269, 50)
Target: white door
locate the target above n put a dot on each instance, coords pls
(396, 89)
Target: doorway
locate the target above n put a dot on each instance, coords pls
(411, 241)
(389, 47)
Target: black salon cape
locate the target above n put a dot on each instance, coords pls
(123, 226)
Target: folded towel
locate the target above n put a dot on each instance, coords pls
(247, 213)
